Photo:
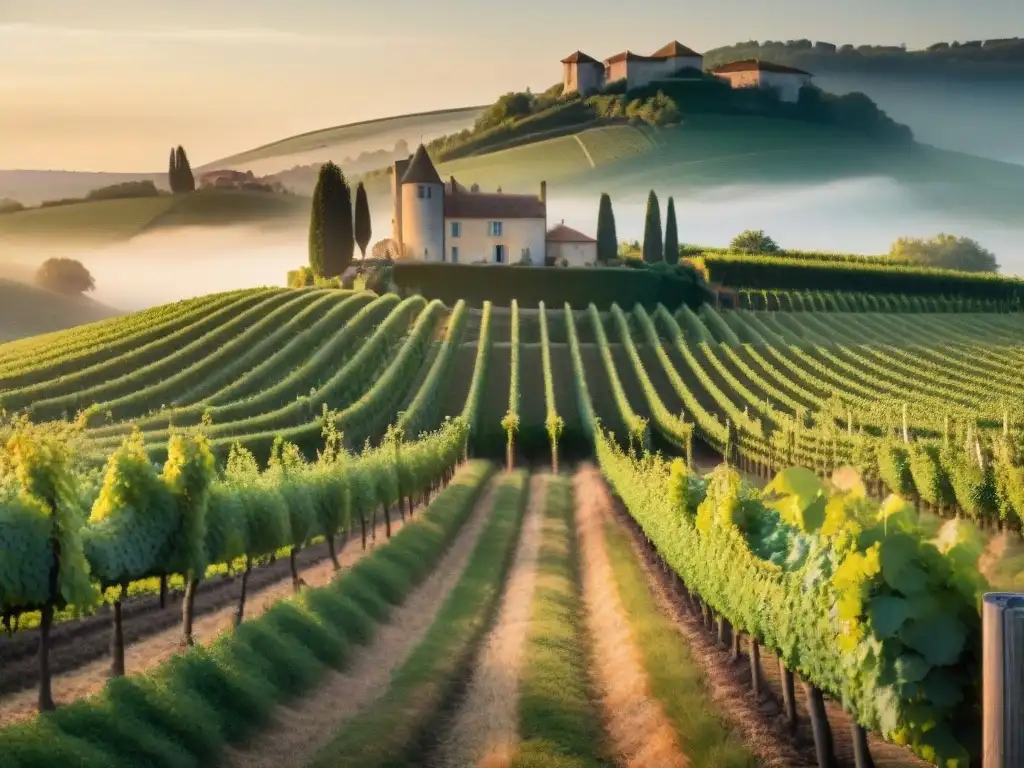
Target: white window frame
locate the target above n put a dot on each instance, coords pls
(494, 229)
(456, 228)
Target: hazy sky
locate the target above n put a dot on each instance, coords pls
(112, 84)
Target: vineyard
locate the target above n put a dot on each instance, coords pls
(192, 451)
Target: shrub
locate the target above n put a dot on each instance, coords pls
(66, 276)
(752, 241)
(10, 206)
(125, 190)
(946, 252)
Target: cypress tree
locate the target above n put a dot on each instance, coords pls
(186, 180)
(607, 240)
(363, 232)
(671, 234)
(330, 225)
(173, 177)
(653, 249)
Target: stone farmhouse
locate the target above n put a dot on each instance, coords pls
(585, 74)
(446, 222)
(764, 74)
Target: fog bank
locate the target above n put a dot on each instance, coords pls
(859, 216)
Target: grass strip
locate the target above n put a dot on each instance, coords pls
(675, 677)
(184, 712)
(559, 724)
(394, 730)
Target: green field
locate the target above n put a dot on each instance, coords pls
(29, 311)
(104, 222)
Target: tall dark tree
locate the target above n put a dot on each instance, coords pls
(173, 178)
(331, 238)
(671, 234)
(653, 248)
(363, 231)
(186, 181)
(607, 239)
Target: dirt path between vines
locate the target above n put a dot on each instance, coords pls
(154, 649)
(300, 730)
(640, 732)
(484, 730)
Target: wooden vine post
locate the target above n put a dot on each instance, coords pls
(1002, 627)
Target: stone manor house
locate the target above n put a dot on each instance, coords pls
(586, 74)
(444, 221)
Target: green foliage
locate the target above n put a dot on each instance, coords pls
(671, 234)
(331, 235)
(65, 276)
(607, 240)
(856, 602)
(133, 520)
(362, 226)
(867, 277)
(41, 520)
(945, 252)
(753, 241)
(653, 247)
(529, 286)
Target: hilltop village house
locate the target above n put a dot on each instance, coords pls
(437, 221)
(763, 74)
(586, 74)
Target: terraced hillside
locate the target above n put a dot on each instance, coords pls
(363, 407)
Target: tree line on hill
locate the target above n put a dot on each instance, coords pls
(336, 226)
(999, 57)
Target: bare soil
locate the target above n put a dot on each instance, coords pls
(640, 732)
(484, 729)
(760, 720)
(80, 659)
(300, 730)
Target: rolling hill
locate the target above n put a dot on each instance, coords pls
(715, 151)
(26, 310)
(103, 222)
(348, 140)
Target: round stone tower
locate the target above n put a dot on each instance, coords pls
(422, 209)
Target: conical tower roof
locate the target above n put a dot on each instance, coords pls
(421, 170)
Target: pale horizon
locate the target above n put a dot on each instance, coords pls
(113, 86)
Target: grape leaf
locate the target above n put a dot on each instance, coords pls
(887, 614)
(942, 689)
(940, 638)
(912, 668)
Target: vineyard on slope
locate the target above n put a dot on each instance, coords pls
(219, 432)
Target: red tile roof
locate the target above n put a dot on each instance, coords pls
(630, 56)
(754, 65)
(482, 205)
(673, 49)
(563, 234)
(579, 57)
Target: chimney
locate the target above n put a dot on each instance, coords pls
(452, 179)
(543, 191)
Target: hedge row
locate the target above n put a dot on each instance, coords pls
(804, 274)
(500, 284)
